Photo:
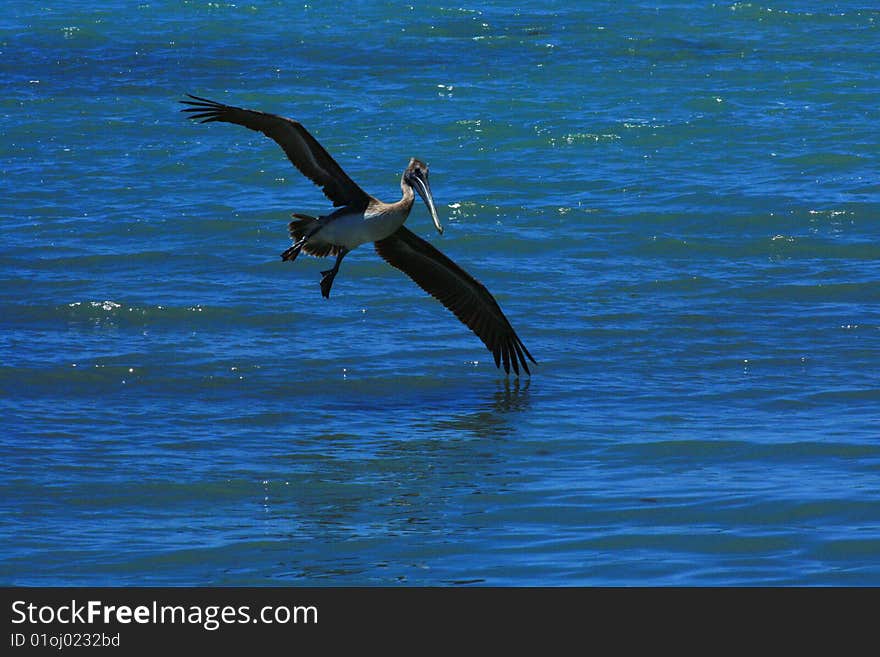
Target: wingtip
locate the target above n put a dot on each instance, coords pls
(198, 98)
(199, 104)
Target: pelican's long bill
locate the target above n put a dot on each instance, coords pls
(424, 189)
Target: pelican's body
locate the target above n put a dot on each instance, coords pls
(376, 222)
(351, 229)
(362, 218)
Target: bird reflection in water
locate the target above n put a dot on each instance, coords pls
(491, 419)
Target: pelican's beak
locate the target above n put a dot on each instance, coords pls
(424, 190)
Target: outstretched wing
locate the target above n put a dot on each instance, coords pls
(460, 292)
(303, 150)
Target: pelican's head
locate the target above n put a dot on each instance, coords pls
(416, 176)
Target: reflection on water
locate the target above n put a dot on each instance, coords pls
(491, 418)
(421, 482)
(514, 396)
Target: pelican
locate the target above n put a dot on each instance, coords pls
(361, 218)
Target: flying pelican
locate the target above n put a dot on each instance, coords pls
(361, 218)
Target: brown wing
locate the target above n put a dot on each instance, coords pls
(459, 292)
(303, 150)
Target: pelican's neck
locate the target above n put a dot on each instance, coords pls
(406, 202)
(408, 192)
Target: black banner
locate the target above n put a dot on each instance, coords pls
(122, 620)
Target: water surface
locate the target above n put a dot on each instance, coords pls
(676, 205)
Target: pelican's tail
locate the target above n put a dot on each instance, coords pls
(300, 226)
(301, 230)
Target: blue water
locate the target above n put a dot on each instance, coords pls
(676, 204)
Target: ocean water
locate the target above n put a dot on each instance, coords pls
(677, 205)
